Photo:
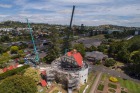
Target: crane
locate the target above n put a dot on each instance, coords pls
(36, 59)
(68, 35)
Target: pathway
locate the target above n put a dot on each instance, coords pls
(94, 86)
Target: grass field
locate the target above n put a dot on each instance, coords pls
(132, 87)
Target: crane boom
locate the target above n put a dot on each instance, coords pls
(69, 30)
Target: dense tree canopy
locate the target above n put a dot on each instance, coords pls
(54, 47)
(18, 84)
(127, 52)
(33, 73)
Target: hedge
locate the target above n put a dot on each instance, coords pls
(13, 72)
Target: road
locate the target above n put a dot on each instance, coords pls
(115, 73)
(94, 86)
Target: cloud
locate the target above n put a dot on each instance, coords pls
(88, 12)
(5, 5)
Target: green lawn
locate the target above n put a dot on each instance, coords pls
(100, 87)
(132, 87)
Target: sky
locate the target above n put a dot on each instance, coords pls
(87, 12)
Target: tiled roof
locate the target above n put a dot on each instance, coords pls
(77, 56)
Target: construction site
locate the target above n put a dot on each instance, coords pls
(69, 70)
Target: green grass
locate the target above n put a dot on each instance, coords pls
(104, 76)
(100, 87)
(132, 87)
(82, 88)
(55, 91)
(112, 86)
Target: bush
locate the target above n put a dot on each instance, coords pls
(112, 86)
(13, 72)
(113, 79)
(111, 90)
(15, 56)
(18, 84)
(101, 87)
(21, 62)
(109, 62)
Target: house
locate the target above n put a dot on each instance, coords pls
(95, 56)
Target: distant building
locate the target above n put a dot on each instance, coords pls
(137, 32)
(6, 29)
(111, 31)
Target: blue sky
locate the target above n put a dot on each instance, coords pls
(87, 12)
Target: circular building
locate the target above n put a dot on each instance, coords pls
(70, 69)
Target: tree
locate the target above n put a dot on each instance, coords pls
(109, 62)
(14, 49)
(92, 48)
(20, 52)
(66, 46)
(18, 84)
(54, 47)
(102, 48)
(80, 48)
(5, 38)
(33, 73)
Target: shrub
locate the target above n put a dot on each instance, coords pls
(15, 56)
(13, 72)
(112, 90)
(112, 86)
(109, 62)
(21, 62)
(113, 79)
(101, 87)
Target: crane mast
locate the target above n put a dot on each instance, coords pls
(35, 50)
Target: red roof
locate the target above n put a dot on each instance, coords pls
(43, 72)
(77, 56)
(5, 69)
(43, 83)
(11, 67)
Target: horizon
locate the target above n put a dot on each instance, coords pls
(87, 12)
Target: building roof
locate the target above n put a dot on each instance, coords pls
(43, 72)
(5, 69)
(43, 83)
(96, 54)
(77, 56)
(11, 67)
